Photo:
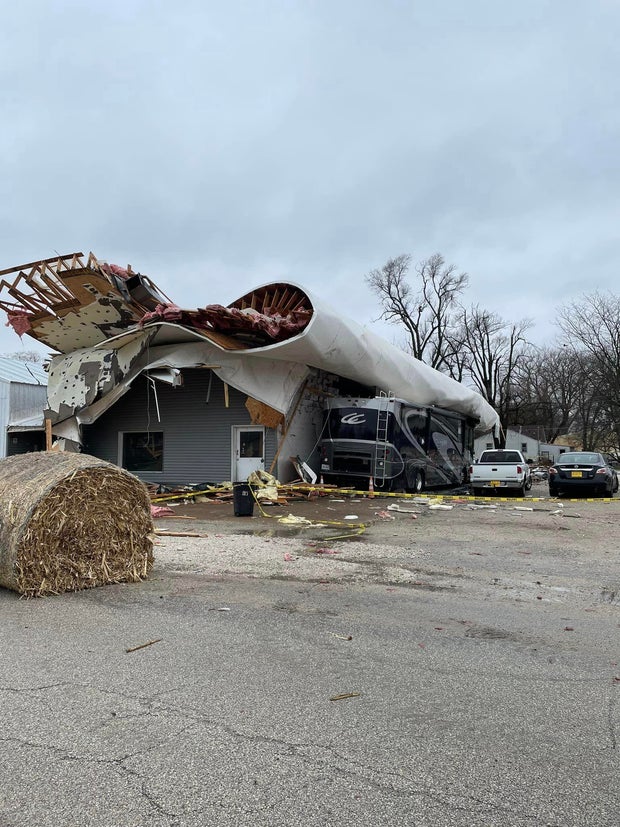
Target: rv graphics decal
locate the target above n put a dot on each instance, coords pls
(353, 419)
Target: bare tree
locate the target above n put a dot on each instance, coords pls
(428, 313)
(495, 349)
(591, 411)
(591, 327)
(25, 356)
(544, 393)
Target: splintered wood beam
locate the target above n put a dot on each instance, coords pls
(30, 302)
(35, 263)
(224, 341)
(226, 398)
(284, 434)
(42, 284)
(294, 299)
(58, 288)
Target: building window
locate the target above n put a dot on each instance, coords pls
(143, 451)
(524, 446)
(489, 445)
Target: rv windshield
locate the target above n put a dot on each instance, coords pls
(354, 423)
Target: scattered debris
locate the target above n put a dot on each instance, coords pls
(161, 511)
(264, 486)
(440, 507)
(397, 507)
(345, 695)
(342, 637)
(291, 519)
(143, 645)
(163, 533)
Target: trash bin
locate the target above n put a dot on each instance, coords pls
(243, 499)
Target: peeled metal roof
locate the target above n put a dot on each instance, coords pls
(28, 373)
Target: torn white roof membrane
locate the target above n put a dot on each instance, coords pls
(85, 383)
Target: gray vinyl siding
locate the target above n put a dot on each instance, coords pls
(197, 433)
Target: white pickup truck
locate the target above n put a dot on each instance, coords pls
(500, 470)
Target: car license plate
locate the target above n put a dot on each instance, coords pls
(495, 483)
(576, 474)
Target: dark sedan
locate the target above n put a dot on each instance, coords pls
(582, 471)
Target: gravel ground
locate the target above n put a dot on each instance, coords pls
(394, 540)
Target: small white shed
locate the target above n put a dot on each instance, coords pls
(23, 398)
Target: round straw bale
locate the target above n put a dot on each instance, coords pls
(71, 521)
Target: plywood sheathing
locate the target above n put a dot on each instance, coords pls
(262, 414)
(71, 303)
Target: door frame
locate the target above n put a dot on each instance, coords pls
(236, 430)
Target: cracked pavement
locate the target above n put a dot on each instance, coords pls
(483, 674)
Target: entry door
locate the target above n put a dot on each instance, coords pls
(249, 451)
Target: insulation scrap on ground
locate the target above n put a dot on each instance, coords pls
(69, 522)
(264, 485)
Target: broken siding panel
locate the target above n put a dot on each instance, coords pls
(197, 434)
(26, 400)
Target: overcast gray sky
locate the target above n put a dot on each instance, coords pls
(216, 145)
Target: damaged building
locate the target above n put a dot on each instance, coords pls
(206, 395)
(23, 396)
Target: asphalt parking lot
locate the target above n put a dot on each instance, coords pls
(444, 666)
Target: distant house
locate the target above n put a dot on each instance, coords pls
(531, 446)
(23, 397)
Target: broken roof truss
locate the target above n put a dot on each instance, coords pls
(69, 302)
(111, 323)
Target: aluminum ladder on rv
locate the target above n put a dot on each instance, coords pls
(381, 441)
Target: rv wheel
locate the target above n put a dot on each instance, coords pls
(416, 485)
